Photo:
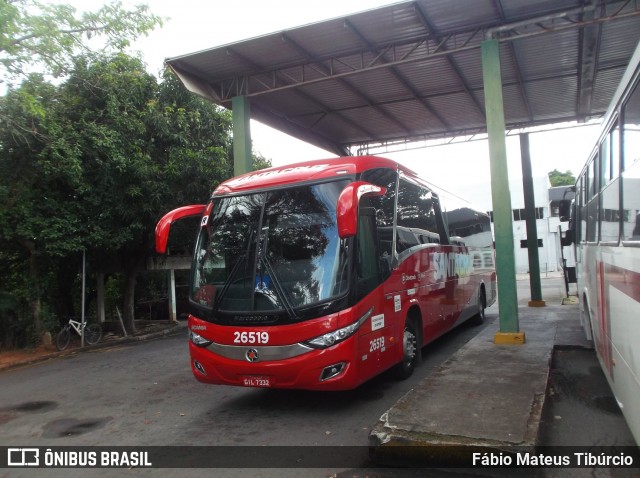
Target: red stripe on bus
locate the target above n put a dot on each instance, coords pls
(625, 280)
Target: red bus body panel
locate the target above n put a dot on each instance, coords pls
(304, 172)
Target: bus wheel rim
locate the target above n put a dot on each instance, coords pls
(409, 345)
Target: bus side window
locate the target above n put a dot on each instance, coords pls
(418, 211)
(593, 199)
(610, 187)
(580, 221)
(368, 263)
(469, 227)
(631, 165)
(384, 208)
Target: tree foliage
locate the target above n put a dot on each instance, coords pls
(561, 179)
(92, 164)
(45, 37)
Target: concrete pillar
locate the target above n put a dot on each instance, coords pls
(501, 197)
(242, 159)
(532, 231)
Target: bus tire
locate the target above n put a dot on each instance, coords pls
(478, 319)
(410, 350)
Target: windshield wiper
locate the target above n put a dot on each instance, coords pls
(280, 292)
(234, 270)
(229, 281)
(264, 261)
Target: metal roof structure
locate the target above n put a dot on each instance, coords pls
(413, 71)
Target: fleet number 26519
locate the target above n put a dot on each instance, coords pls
(250, 337)
(376, 344)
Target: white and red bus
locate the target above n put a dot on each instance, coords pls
(607, 235)
(321, 275)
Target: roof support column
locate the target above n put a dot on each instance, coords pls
(532, 231)
(501, 197)
(242, 159)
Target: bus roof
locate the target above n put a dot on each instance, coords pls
(305, 171)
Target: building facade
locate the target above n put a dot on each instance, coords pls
(552, 207)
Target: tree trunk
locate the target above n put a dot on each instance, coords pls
(129, 300)
(35, 299)
(136, 263)
(100, 297)
(66, 272)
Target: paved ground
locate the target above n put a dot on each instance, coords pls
(492, 396)
(549, 391)
(16, 358)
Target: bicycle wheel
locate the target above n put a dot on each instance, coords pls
(63, 338)
(92, 333)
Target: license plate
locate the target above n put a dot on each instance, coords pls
(256, 381)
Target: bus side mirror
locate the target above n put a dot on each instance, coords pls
(567, 240)
(164, 225)
(347, 207)
(570, 236)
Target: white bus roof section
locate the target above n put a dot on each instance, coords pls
(412, 70)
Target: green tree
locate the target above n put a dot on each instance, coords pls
(146, 148)
(34, 179)
(97, 162)
(45, 37)
(260, 161)
(562, 179)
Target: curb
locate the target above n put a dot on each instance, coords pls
(170, 331)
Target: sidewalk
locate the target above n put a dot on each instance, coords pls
(486, 395)
(15, 358)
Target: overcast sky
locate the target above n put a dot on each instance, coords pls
(195, 25)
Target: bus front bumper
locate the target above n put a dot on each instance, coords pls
(297, 366)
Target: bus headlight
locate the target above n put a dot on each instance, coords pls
(198, 340)
(337, 336)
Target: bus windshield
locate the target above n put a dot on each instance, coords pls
(271, 252)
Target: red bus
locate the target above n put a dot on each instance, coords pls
(321, 275)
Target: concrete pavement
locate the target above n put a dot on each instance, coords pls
(18, 358)
(487, 396)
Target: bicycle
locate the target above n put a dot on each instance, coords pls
(92, 333)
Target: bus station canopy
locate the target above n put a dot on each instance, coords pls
(412, 71)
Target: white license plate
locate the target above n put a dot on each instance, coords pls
(256, 381)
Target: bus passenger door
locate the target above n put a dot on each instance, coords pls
(376, 334)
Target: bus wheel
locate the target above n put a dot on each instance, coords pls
(409, 350)
(478, 319)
